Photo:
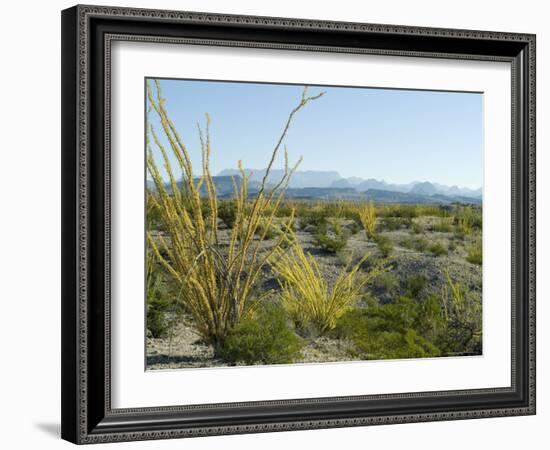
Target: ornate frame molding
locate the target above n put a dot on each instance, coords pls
(80, 423)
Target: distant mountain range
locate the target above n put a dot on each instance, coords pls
(330, 185)
(332, 179)
(300, 179)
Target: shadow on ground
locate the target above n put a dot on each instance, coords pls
(52, 429)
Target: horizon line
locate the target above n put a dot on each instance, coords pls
(343, 178)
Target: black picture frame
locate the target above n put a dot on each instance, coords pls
(87, 416)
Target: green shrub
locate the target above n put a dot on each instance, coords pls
(387, 331)
(266, 230)
(402, 211)
(433, 211)
(386, 281)
(163, 313)
(420, 245)
(331, 244)
(313, 217)
(394, 345)
(385, 245)
(161, 305)
(467, 219)
(391, 223)
(438, 249)
(157, 316)
(459, 235)
(354, 227)
(416, 284)
(263, 339)
(331, 236)
(431, 321)
(396, 223)
(227, 212)
(447, 325)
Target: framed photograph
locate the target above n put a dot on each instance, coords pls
(280, 224)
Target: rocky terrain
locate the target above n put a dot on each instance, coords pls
(418, 249)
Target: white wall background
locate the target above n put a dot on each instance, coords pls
(30, 223)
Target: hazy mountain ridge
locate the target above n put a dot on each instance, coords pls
(338, 188)
(332, 179)
(300, 179)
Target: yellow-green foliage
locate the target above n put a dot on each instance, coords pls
(462, 313)
(308, 298)
(455, 300)
(398, 210)
(467, 219)
(367, 216)
(431, 210)
(474, 252)
(350, 209)
(217, 283)
(444, 225)
(438, 249)
(417, 228)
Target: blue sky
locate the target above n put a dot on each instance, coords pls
(395, 135)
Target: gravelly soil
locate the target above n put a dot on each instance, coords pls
(184, 349)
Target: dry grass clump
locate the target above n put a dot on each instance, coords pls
(217, 283)
(309, 300)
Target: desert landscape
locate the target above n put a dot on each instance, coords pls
(281, 266)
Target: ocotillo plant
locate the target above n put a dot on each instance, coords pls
(367, 216)
(308, 298)
(217, 284)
